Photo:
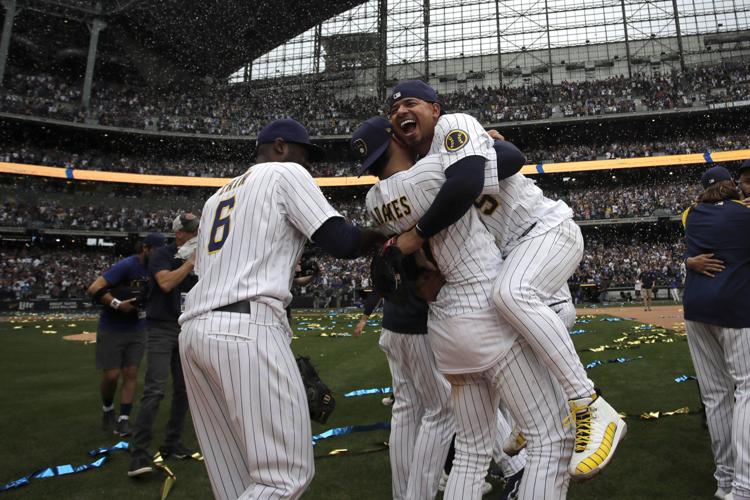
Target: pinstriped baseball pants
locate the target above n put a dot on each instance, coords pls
(532, 272)
(248, 404)
(721, 357)
(422, 423)
(537, 404)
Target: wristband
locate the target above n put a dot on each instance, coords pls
(115, 303)
(419, 232)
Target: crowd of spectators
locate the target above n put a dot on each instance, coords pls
(238, 110)
(612, 263)
(92, 159)
(606, 264)
(43, 273)
(52, 215)
(657, 198)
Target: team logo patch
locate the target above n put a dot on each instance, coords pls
(456, 139)
(395, 96)
(361, 147)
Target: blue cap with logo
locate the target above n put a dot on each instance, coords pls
(745, 166)
(714, 175)
(370, 141)
(291, 131)
(411, 88)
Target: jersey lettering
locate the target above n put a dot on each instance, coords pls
(220, 227)
(392, 211)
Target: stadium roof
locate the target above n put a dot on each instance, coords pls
(202, 38)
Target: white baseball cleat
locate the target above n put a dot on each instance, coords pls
(514, 443)
(598, 431)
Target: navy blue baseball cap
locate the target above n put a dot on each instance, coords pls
(370, 141)
(154, 240)
(411, 88)
(291, 131)
(714, 175)
(745, 166)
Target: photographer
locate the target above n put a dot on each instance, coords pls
(121, 333)
(171, 275)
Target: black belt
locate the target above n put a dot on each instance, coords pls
(242, 307)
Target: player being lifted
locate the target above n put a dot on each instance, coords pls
(481, 355)
(540, 244)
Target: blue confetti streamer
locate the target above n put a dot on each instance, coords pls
(342, 431)
(64, 470)
(599, 362)
(364, 392)
(579, 331)
(612, 319)
(684, 378)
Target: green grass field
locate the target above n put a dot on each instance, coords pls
(51, 416)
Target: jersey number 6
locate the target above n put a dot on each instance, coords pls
(220, 227)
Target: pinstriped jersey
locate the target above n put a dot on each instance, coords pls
(252, 234)
(458, 136)
(519, 211)
(465, 252)
(508, 207)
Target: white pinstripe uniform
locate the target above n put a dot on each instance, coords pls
(246, 395)
(540, 244)
(562, 303)
(721, 357)
(483, 358)
(422, 423)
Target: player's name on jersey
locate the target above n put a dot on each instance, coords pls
(393, 210)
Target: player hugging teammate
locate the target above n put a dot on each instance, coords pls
(504, 251)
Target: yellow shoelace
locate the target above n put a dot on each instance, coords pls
(581, 416)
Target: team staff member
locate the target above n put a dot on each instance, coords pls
(121, 332)
(718, 326)
(706, 263)
(171, 277)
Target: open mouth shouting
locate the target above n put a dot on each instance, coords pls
(408, 128)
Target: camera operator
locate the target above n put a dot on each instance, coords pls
(171, 276)
(121, 332)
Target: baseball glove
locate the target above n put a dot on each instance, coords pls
(387, 273)
(319, 396)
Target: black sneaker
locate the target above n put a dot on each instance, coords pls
(108, 420)
(122, 428)
(178, 451)
(512, 484)
(140, 465)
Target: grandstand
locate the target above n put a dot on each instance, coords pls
(116, 115)
(618, 106)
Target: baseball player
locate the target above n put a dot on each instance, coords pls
(718, 326)
(121, 332)
(480, 354)
(246, 395)
(540, 244)
(422, 423)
